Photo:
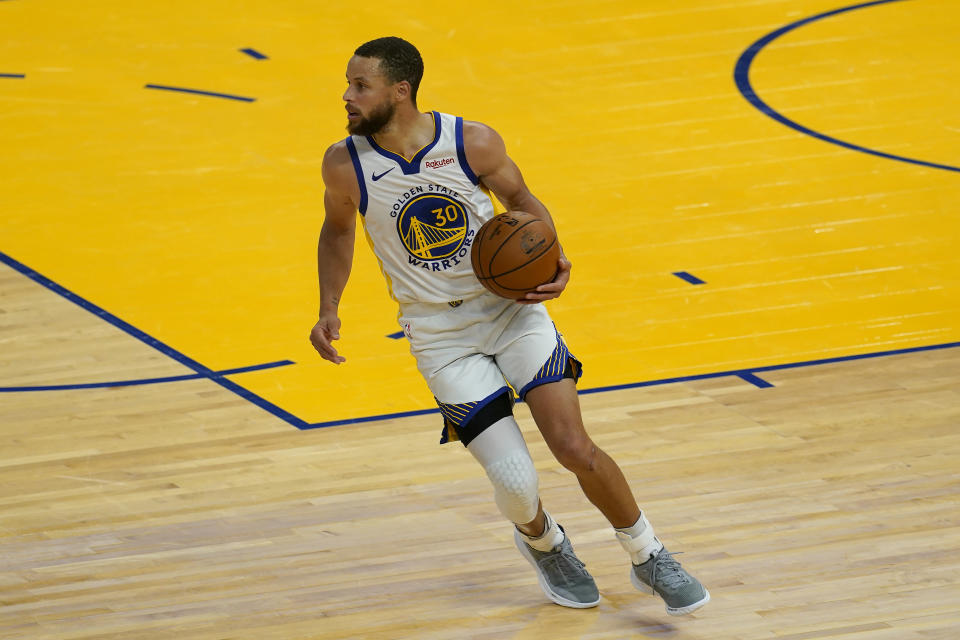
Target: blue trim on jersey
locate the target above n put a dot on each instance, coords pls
(412, 166)
(462, 154)
(352, 148)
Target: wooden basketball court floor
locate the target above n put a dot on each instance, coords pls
(760, 201)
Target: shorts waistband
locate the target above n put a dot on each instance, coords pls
(432, 308)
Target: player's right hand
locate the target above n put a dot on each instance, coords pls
(323, 334)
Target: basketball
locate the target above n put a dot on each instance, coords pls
(513, 253)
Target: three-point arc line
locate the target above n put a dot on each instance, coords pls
(741, 77)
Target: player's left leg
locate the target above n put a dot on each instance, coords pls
(556, 410)
(536, 362)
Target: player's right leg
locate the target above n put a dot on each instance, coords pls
(539, 364)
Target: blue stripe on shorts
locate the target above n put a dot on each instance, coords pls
(552, 370)
(455, 415)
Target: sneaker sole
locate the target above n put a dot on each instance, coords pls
(673, 611)
(544, 585)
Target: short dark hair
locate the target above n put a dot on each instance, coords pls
(399, 60)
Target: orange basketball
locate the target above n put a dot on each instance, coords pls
(513, 253)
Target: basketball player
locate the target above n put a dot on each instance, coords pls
(420, 182)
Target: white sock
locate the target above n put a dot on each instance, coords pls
(549, 539)
(639, 540)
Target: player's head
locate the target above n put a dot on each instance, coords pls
(383, 74)
(399, 61)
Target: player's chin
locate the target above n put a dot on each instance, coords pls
(355, 124)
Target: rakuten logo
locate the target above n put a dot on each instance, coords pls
(436, 164)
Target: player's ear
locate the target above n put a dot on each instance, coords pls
(401, 91)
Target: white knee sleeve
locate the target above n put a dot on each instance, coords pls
(504, 456)
(515, 486)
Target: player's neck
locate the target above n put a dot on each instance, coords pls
(407, 132)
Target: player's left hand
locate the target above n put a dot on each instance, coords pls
(553, 289)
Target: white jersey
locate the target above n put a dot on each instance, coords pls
(421, 215)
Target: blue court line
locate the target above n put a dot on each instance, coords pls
(755, 380)
(144, 381)
(198, 92)
(13, 75)
(688, 277)
(152, 342)
(748, 374)
(253, 53)
(385, 416)
(741, 76)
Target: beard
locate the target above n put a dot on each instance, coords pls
(373, 123)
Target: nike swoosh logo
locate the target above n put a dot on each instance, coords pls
(377, 177)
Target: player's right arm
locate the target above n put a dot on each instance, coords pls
(335, 246)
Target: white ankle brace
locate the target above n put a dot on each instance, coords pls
(551, 537)
(639, 540)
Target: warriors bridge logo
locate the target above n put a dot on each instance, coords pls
(433, 228)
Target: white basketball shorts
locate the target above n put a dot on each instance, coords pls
(475, 352)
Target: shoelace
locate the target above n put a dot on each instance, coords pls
(668, 569)
(568, 565)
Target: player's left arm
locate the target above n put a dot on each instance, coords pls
(487, 156)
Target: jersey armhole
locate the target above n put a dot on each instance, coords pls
(355, 157)
(462, 154)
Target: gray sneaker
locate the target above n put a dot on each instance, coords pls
(663, 575)
(561, 574)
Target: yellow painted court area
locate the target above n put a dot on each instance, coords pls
(194, 217)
